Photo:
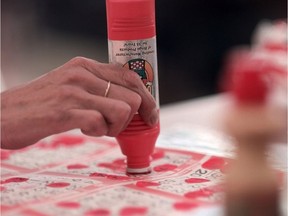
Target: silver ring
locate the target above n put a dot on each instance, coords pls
(107, 89)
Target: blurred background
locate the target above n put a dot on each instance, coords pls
(193, 38)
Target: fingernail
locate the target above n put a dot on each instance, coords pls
(154, 118)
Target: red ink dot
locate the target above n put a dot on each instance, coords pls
(129, 211)
(65, 204)
(43, 145)
(165, 167)
(185, 206)
(147, 184)
(5, 154)
(196, 180)
(77, 166)
(199, 193)
(97, 212)
(214, 163)
(158, 155)
(96, 174)
(6, 208)
(2, 188)
(67, 141)
(14, 179)
(115, 177)
(119, 162)
(58, 184)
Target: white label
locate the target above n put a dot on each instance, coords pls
(139, 56)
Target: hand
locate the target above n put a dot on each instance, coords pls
(72, 96)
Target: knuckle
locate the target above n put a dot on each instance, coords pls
(131, 78)
(135, 102)
(65, 92)
(94, 126)
(74, 76)
(61, 115)
(123, 111)
(121, 114)
(78, 60)
(75, 70)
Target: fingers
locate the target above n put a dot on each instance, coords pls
(131, 98)
(100, 116)
(126, 78)
(95, 86)
(90, 122)
(132, 81)
(127, 95)
(72, 96)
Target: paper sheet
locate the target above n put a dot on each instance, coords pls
(73, 174)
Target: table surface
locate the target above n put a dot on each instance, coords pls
(203, 111)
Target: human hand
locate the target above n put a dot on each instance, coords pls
(72, 96)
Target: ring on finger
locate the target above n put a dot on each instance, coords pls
(107, 89)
